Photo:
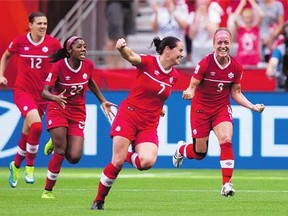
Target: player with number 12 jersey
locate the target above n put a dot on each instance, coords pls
(34, 63)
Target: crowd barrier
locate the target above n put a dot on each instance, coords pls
(260, 141)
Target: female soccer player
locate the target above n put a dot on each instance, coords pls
(70, 77)
(216, 77)
(138, 116)
(33, 50)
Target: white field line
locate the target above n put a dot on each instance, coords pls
(142, 190)
(167, 175)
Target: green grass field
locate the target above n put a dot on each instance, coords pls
(159, 192)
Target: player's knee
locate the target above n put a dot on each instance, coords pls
(34, 133)
(36, 129)
(226, 139)
(200, 155)
(202, 152)
(146, 163)
(118, 160)
(145, 167)
(73, 159)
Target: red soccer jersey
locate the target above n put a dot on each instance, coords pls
(152, 86)
(216, 81)
(75, 82)
(33, 62)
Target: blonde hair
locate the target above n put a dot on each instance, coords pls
(221, 29)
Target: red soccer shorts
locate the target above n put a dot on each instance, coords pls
(57, 118)
(25, 103)
(129, 124)
(203, 121)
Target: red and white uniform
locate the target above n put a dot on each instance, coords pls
(75, 82)
(211, 103)
(141, 110)
(34, 64)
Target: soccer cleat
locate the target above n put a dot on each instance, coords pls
(227, 190)
(29, 174)
(47, 195)
(97, 205)
(48, 149)
(14, 174)
(177, 157)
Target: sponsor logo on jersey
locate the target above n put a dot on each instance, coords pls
(26, 48)
(84, 76)
(212, 73)
(156, 72)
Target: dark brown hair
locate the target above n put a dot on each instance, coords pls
(34, 15)
(160, 45)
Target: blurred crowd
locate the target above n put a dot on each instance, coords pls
(256, 25)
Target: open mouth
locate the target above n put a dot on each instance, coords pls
(223, 51)
(83, 55)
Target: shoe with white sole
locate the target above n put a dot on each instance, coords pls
(227, 190)
(177, 157)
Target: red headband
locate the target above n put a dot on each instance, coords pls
(70, 41)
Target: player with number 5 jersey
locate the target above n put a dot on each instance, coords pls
(216, 77)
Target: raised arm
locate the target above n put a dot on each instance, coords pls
(238, 11)
(127, 53)
(258, 10)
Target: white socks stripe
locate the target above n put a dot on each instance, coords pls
(227, 163)
(52, 176)
(21, 152)
(33, 149)
(106, 181)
